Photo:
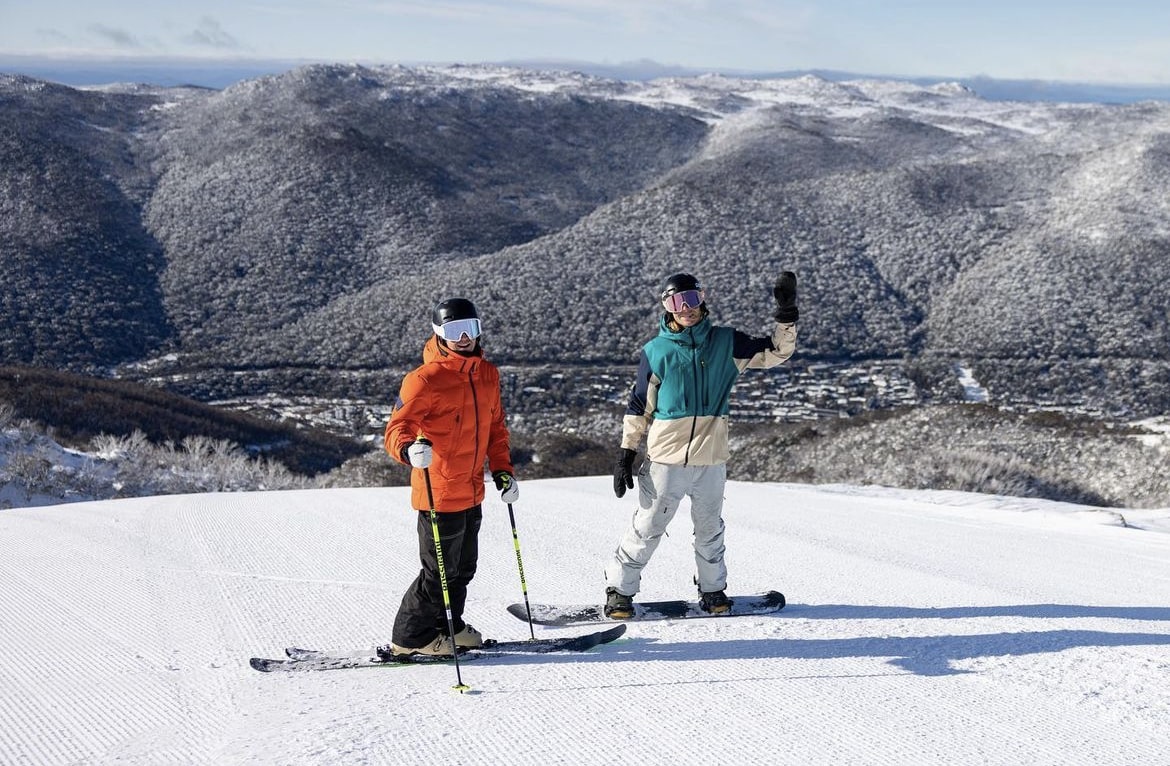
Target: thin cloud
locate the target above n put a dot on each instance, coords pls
(211, 34)
(120, 38)
(53, 36)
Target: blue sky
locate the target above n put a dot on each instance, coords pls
(1124, 41)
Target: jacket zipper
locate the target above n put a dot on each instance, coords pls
(695, 362)
(475, 409)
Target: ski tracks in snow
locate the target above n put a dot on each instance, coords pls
(917, 631)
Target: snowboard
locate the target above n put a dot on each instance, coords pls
(551, 614)
(310, 659)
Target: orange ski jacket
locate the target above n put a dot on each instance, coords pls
(454, 401)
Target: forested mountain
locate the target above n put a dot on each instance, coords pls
(310, 220)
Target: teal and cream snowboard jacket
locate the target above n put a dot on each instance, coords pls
(680, 399)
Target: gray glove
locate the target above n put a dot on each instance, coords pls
(506, 483)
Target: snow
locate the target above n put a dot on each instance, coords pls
(716, 97)
(973, 391)
(922, 627)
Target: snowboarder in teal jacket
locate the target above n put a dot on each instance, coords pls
(680, 405)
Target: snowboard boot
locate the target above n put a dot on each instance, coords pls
(715, 602)
(618, 606)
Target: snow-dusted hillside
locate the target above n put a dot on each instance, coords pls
(297, 227)
(921, 628)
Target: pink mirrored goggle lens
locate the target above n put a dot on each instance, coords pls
(455, 329)
(682, 300)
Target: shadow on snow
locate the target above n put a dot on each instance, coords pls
(921, 655)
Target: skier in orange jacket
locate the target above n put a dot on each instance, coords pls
(448, 419)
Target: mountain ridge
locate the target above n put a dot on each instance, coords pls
(311, 218)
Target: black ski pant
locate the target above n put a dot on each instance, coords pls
(422, 616)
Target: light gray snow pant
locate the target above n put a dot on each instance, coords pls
(661, 489)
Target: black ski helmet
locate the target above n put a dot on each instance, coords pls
(451, 309)
(678, 283)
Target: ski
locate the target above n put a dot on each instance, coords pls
(300, 660)
(549, 614)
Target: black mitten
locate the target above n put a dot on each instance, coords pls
(785, 294)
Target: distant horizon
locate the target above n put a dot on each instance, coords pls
(1037, 41)
(221, 72)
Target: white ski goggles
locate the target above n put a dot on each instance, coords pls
(455, 329)
(683, 299)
